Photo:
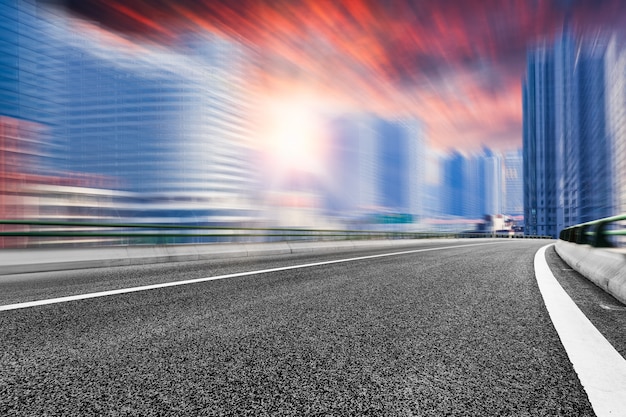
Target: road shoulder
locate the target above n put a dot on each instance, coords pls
(600, 367)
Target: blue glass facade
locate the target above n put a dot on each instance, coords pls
(155, 127)
(393, 184)
(540, 176)
(377, 166)
(170, 128)
(567, 162)
(616, 116)
(595, 192)
(514, 183)
(168, 131)
(346, 141)
(454, 183)
(472, 185)
(27, 89)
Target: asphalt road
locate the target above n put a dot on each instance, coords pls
(460, 331)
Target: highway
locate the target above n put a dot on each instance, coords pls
(457, 329)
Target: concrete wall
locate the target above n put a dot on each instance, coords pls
(16, 261)
(604, 267)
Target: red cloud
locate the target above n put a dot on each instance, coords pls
(456, 64)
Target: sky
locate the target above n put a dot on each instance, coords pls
(455, 64)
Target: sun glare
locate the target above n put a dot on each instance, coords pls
(294, 137)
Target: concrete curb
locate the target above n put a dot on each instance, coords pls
(604, 267)
(18, 261)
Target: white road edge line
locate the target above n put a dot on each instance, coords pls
(198, 280)
(600, 368)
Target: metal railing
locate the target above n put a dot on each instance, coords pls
(602, 233)
(41, 233)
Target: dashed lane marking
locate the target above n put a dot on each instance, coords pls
(600, 368)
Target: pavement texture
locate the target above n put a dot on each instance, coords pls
(456, 332)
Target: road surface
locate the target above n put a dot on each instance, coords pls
(439, 329)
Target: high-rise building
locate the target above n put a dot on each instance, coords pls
(513, 183)
(454, 184)
(540, 173)
(352, 166)
(401, 168)
(615, 76)
(492, 183)
(170, 131)
(433, 193)
(567, 163)
(377, 167)
(32, 185)
(27, 106)
(472, 185)
(474, 190)
(26, 84)
(172, 127)
(595, 169)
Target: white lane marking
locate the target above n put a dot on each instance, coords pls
(198, 280)
(600, 368)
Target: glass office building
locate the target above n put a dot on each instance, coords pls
(171, 127)
(615, 71)
(378, 168)
(513, 183)
(568, 168)
(27, 89)
(27, 106)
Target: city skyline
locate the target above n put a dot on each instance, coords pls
(184, 131)
(197, 128)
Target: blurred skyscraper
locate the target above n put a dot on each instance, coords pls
(27, 87)
(378, 167)
(352, 166)
(596, 170)
(401, 172)
(491, 178)
(513, 183)
(433, 191)
(615, 73)
(568, 170)
(454, 184)
(540, 173)
(173, 127)
(30, 109)
(25, 105)
(473, 185)
(95, 126)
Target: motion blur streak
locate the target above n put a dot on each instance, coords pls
(446, 62)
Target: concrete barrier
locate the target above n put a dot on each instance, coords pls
(16, 261)
(604, 267)
(267, 249)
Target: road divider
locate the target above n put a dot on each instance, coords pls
(17, 261)
(605, 267)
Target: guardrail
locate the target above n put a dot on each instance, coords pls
(601, 233)
(67, 232)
